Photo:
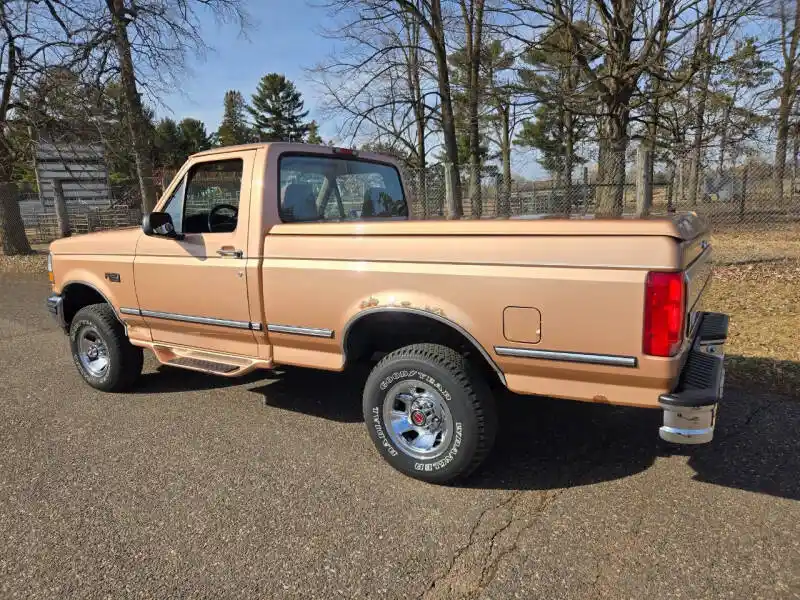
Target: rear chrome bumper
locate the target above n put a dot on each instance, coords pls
(690, 411)
(55, 305)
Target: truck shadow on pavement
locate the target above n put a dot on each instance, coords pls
(168, 380)
(546, 443)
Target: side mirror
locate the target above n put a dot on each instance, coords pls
(159, 223)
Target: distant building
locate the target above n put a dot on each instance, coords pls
(81, 169)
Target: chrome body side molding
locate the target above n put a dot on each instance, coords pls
(154, 314)
(576, 357)
(307, 331)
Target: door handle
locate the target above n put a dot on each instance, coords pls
(230, 252)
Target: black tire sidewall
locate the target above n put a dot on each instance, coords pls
(108, 379)
(463, 443)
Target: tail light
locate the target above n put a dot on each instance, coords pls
(664, 309)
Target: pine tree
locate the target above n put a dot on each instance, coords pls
(313, 134)
(234, 128)
(193, 136)
(167, 149)
(277, 110)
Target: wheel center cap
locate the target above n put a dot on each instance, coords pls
(418, 418)
(92, 352)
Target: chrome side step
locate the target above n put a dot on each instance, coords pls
(204, 361)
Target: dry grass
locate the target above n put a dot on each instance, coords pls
(30, 263)
(763, 301)
(756, 243)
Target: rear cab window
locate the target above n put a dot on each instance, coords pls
(332, 188)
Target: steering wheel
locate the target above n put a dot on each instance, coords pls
(226, 222)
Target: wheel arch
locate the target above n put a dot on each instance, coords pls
(366, 331)
(78, 294)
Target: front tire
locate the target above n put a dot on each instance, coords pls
(101, 350)
(429, 414)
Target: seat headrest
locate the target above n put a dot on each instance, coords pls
(375, 203)
(299, 202)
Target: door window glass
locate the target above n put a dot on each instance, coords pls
(212, 197)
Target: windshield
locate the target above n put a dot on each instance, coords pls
(328, 188)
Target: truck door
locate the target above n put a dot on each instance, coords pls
(193, 292)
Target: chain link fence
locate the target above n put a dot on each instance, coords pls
(738, 196)
(43, 224)
(754, 212)
(747, 199)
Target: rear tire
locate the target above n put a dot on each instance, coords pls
(101, 350)
(429, 413)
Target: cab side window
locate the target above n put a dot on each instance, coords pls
(207, 198)
(212, 196)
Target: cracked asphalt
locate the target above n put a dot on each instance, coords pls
(268, 487)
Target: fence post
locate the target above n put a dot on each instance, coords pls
(62, 216)
(448, 189)
(644, 183)
(744, 192)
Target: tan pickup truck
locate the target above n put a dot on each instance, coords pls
(290, 254)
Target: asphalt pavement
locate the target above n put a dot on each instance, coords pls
(268, 487)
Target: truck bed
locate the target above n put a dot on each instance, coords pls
(555, 289)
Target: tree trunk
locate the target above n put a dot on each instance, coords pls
(644, 181)
(569, 131)
(504, 209)
(455, 208)
(700, 112)
(12, 229)
(136, 117)
(699, 131)
(723, 138)
(787, 96)
(743, 199)
(418, 106)
(569, 151)
(611, 197)
(781, 142)
(473, 28)
(671, 189)
(795, 152)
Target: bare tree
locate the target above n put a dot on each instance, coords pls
(431, 18)
(620, 42)
(381, 84)
(395, 51)
(143, 44)
(34, 35)
(472, 12)
(787, 15)
(501, 95)
(703, 79)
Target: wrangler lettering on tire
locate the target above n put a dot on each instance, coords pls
(429, 414)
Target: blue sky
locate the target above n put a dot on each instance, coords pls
(284, 38)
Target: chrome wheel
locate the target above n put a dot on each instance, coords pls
(92, 352)
(418, 419)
